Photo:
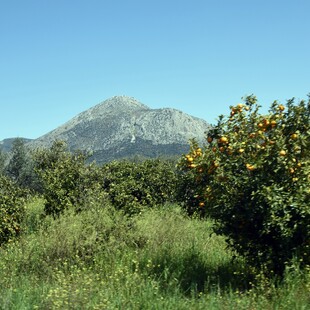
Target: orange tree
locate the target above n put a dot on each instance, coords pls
(134, 186)
(64, 177)
(12, 211)
(252, 178)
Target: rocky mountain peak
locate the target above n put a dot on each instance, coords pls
(118, 103)
(122, 126)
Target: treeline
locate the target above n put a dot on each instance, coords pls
(251, 177)
(66, 180)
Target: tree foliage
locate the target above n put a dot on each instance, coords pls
(63, 175)
(252, 177)
(20, 167)
(132, 186)
(11, 209)
(70, 182)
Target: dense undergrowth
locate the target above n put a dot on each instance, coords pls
(158, 259)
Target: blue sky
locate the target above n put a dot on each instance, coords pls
(61, 57)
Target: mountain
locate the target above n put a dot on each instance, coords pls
(123, 127)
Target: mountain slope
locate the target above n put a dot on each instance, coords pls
(122, 126)
(6, 144)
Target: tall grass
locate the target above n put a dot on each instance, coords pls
(159, 259)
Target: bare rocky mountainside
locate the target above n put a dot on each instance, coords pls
(123, 127)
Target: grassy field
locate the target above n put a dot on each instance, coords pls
(159, 259)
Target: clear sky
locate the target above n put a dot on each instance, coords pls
(61, 57)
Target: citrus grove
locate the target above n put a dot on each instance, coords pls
(252, 178)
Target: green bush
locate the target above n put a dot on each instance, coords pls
(67, 181)
(12, 200)
(132, 186)
(252, 177)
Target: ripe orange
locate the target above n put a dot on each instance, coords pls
(266, 122)
(281, 107)
(223, 140)
(294, 136)
(250, 167)
(273, 123)
(209, 139)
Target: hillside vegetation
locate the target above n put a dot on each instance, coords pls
(225, 227)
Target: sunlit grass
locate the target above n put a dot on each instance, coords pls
(159, 259)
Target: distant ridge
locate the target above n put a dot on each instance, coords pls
(6, 144)
(122, 126)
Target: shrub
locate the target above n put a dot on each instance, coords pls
(67, 181)
(252, 177)
(132, 186)
(11, 209)
(71, 183)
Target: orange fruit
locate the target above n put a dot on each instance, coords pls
(266, 122)
(273, 123)
(281, 107)
(294, 136)
(250, 167)
(282, 153)
(223, 140)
